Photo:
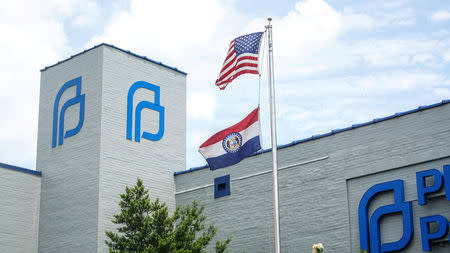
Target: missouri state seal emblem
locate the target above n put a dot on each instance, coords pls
(232, 142)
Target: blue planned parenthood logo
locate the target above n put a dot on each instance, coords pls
(137, 115)
(369, 228)
(58, 134)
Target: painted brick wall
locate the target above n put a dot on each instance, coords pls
(318, 197)
(82, 179)
(392, 225)
(69, 187)
(19, 211)
(123, 160)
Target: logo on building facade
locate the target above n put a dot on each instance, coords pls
(58, 134)
(369, 229)
(137, 115)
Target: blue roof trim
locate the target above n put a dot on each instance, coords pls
(125, 51)
(191, 169)
(318, 136)
(16, 168)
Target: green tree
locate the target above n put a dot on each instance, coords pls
(221, 247)
(147, 227)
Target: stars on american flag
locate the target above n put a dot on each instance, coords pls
(248, 43)
(242, 58)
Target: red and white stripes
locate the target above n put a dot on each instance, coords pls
(235, 66)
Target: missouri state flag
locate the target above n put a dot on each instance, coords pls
(233, 144)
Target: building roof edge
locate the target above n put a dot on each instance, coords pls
(17, 168)
(339, 130)
(120, 49)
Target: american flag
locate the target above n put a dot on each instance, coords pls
(242, 58)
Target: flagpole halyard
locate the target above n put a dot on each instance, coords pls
(273, 128)
(262, 49)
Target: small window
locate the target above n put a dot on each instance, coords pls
(221, 186)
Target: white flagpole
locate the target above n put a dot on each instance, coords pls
(273, 127)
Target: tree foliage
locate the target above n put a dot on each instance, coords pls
(147, 227)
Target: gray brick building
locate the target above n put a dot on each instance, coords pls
(107, 116)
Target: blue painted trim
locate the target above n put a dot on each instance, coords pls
(314, 137)
(120, 49)
(190, 170)
(16, 168)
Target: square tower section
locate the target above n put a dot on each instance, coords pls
(106, 117)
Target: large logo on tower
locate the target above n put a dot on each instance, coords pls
(137, 113)
(58, 133)
(427, 181)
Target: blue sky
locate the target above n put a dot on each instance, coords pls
(337, 62)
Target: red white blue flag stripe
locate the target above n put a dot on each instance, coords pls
(233, 144)
(242, 58)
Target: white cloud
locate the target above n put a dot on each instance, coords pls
(79, 13)
(346, 55)
(422, 58)
(388, 4)
(88, 15)
(446, 56)
(30, 41)
(318, 55)
(314, 38)
(157, 27)
(442, 15)
(442, 92)
(354, 20)
(398, 81)
(381, 83)
(201, 105)
(404, 16)
(306, 41)
(197, 138)
(394, 52)
(192, 37)
(310, 27)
